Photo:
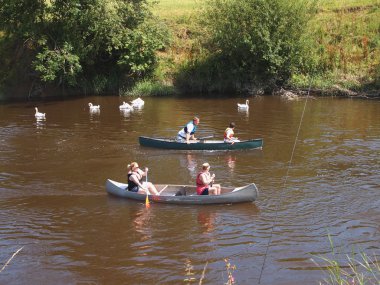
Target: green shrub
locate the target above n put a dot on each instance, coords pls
(250, 42)
(67, 43)
(150, 88)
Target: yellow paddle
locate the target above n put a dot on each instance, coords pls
(147, 203)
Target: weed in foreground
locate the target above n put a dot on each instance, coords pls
(359, 269)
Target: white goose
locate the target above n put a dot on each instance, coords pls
(243, 106)
(137, 103)
(94, 107)
(39, 115)
(125, 107)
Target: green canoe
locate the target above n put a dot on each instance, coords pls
(200, 145)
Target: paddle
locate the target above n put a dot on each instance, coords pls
(207, 137)
(147, 204)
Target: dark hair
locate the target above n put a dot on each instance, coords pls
(232, 125)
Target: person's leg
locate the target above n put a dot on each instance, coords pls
(220, 189)
(180, 139)
(213, 190)
(217, 189)
(152, 189)
(141, 191)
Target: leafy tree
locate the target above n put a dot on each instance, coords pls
(73, 42)
(258, 40)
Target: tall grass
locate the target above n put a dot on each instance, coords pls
(150, 88)
(345, 38)
(190, 275)
(170, 9)
(357, 269)
(328, 4)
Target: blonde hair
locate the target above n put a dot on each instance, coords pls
(205, 166)
(133, 165)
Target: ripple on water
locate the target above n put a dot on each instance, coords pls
(53, 199)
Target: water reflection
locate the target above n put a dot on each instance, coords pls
(192, 165)
(125, 112)
(94, 115)
(138, 109)
(206, 219)
(94, 111)
(244, 112)
(142, 221)
(40, 123)
(231, 162)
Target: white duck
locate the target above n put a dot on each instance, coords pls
(94, 107)
(125, 107)
(39, 115)
(137, 103)
(243, 106)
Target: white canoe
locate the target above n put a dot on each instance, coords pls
(186, 194)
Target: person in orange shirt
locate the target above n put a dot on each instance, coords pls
(229, 134)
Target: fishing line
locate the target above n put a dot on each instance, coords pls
(286, 179)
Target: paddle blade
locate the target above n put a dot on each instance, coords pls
(147, 203)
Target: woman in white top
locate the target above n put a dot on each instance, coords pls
(135, 184)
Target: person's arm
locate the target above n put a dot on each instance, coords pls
(190, 131)
(145, 173)
(187, 138)
(134, 179)
(142, 173)
(204, 179)
(190, 128)
(207, 179)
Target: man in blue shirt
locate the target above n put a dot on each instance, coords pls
(187, 132)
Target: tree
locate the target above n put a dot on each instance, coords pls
(258, 40)
(74, 42)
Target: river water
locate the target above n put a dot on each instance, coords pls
(54, 206)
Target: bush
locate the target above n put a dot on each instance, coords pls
(255, 40)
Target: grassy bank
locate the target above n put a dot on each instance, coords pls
(345, 35)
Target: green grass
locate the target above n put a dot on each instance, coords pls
(172, 9)
(150, 88)
(338, 4)
(346, 41)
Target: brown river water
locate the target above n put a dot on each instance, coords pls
(53, 202)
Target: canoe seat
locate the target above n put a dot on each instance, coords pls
(180, 192)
